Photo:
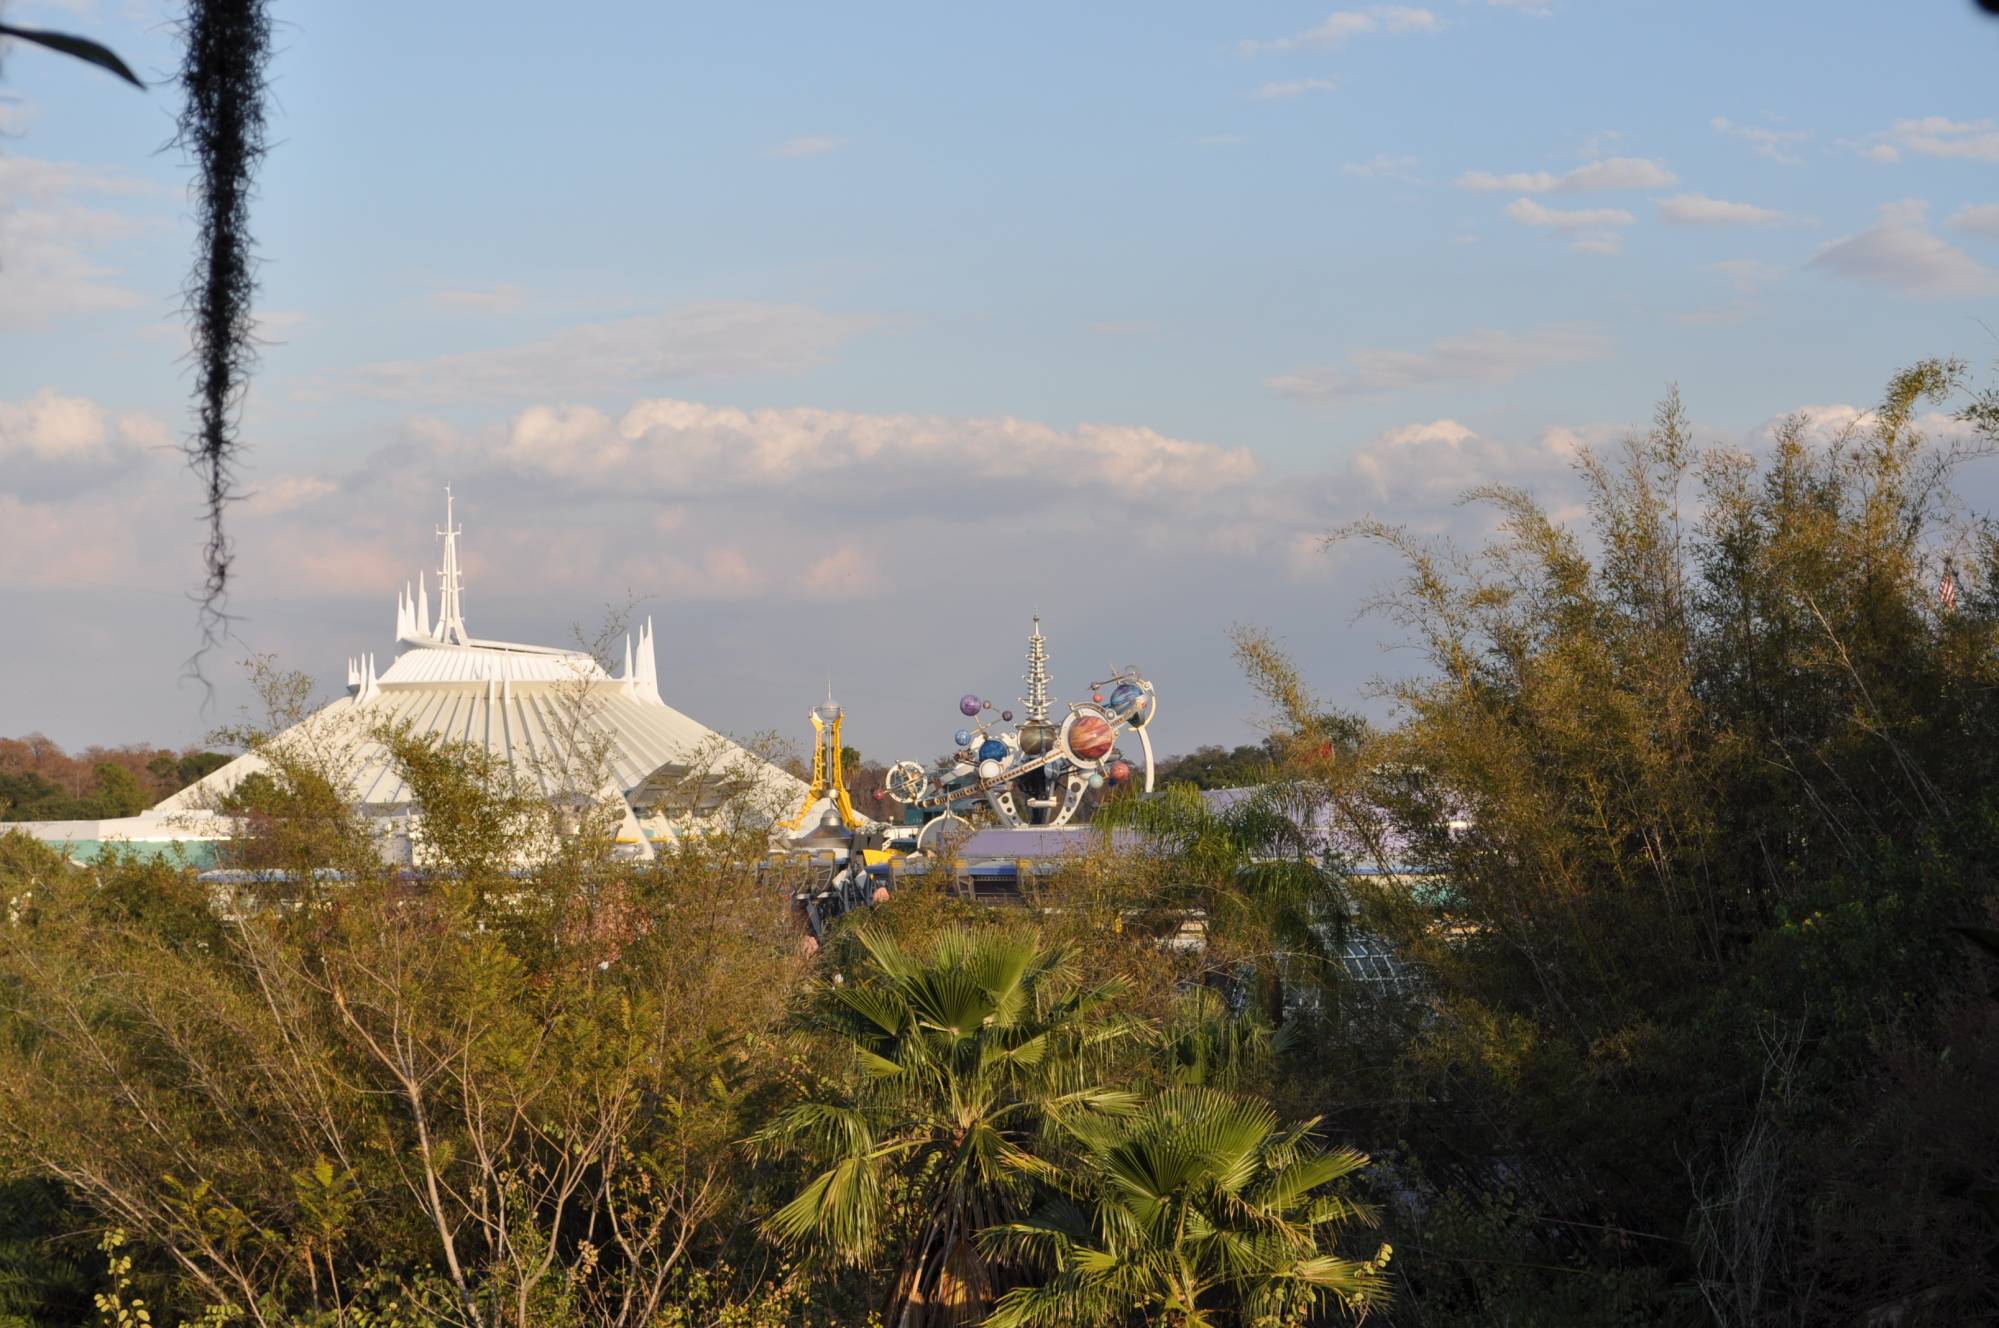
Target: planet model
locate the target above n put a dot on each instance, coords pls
(1090, 736)
(1036, 737)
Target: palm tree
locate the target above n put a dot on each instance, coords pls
(1198, 1211)
(961, 1059)
(1251, 867)
(1204, 1044)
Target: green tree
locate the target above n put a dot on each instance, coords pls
(1198, 1211)
(960, 1059)
(117, 792)
(1250, 869)
(338, 1094)
(43, 1283)
(1710, 783)
(1214, 766)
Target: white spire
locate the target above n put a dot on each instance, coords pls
(366, 688)
(1036, 700)
(422, 607)
(627, 675)
(450, 616)
(644, 667)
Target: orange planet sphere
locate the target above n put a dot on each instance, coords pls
(1090, 737)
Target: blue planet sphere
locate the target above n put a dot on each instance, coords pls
(992, 749)
(963, 737)
(1124, 697)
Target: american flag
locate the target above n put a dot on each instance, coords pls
(1947, 588)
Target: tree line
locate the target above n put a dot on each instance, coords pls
(39, 781)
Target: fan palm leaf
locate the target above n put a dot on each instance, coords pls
(1198, 1206)
(960, 1061)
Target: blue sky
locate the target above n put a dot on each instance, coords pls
(845, 338)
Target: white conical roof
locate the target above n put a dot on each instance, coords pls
(535, 707)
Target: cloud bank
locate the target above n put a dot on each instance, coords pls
(719, 339)
(1484, 356)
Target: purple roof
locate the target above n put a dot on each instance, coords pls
(1040, 843)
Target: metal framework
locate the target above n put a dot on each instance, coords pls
(1037, 774)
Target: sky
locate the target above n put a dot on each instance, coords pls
(840, 340)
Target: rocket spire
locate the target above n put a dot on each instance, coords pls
(450, 615)
(1036, 677)
(644, 667)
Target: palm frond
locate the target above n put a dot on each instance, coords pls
(840, 1208)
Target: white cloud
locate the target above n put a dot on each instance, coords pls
(670, 447)
(1933, 136)
(1427, 467)
(286, 493)
(1776, 144)
(1976, 219)
(847, 570)
(721, 339)
(1700, 210)
(1605, 243)
(1537, 8)
(1618, 173)
(1485, 356)
(48, 427)
(1343, 25)
(88, 540)
(740, 566)
(1595, 176)
(1294, 88)
(711, 502)
(1514, 182)
(51, 427)
(56, 444)
(1529, 213)
(1901, 251)
(1383, 165)
(1747, 275)
(1833, 422)
(54, 230)
(1593, 146)
(807, 145)
(500, 299)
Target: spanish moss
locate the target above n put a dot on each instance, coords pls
(222, 125)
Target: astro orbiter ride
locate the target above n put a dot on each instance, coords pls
(1036, 775)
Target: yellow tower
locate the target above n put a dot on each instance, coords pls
(828, 777)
